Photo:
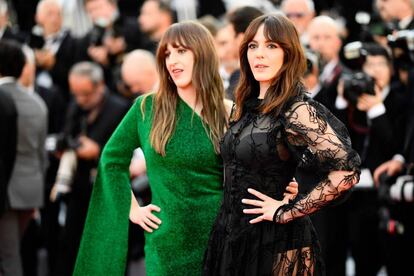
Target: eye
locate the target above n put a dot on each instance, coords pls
(252, 45)
(181, 50)
(272, 46)
(167, 54)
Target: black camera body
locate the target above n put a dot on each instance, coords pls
(356, 84)
(97, 35)
(36, 40)
(386, 213)
(312, 60)
(101, 28)
(402, 47)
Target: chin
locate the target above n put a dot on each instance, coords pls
(262, 78)
(182, 84)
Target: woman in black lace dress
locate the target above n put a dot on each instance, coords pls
(275, 129)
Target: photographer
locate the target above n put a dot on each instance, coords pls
(53, 47)
(401, 11)
(91, 119)
(374, 111)
(399, 173)
(325, 40)
(109, 39)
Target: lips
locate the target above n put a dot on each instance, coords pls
(260, 66)
(176, 72)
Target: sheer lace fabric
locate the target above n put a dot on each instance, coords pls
(262, 152)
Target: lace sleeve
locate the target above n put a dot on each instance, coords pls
(319, 140)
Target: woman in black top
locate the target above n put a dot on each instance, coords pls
(275, 128)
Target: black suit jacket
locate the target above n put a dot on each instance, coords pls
(377, 141)
(65, 58)
(11, 34)
(8, 142)
(110, 114)
(408, 150)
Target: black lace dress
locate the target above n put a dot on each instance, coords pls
(262, 152)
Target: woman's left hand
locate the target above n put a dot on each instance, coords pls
(267, 206)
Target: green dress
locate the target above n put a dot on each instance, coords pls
(186, 184)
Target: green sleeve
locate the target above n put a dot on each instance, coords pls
(104, 244)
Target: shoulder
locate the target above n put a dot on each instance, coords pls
(302, 104)
(145, 101)
(228, 105)
(40, 102)
(143, 105)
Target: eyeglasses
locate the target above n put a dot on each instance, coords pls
(297, 15)
(125, 86)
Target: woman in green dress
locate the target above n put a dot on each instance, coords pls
(179, 129)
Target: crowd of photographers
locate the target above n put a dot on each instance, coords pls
(67, 79)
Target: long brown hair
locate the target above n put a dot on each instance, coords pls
(286, 83)
(206, 81)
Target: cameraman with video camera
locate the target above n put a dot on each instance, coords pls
(374, 111)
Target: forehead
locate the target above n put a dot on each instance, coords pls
(376, 58)
(295, 5)
(149, 6)
(323, 28)
(79, 80)
(262, 35)
(225, 33)
(49, 6)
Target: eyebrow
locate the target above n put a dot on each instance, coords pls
(267, 41)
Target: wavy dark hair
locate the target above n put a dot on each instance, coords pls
(287, 82)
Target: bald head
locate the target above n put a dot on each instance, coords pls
(324, 37)
(49, 16)
(139, 71)
(300, 12)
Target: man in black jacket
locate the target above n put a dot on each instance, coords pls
(376, 125)
(91, 119)
(57, 54)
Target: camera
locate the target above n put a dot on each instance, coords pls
(402, 47)
(36, 40)
(356, 82)
(387, 222)
(312, 60)
(97, 35)
(100, 30)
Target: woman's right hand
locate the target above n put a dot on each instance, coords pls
(144, 217)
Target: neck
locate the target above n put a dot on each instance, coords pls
(189, 95)
(263, 89)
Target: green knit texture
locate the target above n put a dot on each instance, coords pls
(186, 184)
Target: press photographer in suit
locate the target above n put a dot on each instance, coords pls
(92, 117)
(372, 107)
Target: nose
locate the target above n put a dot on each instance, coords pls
(259, 52)
(172, 59)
